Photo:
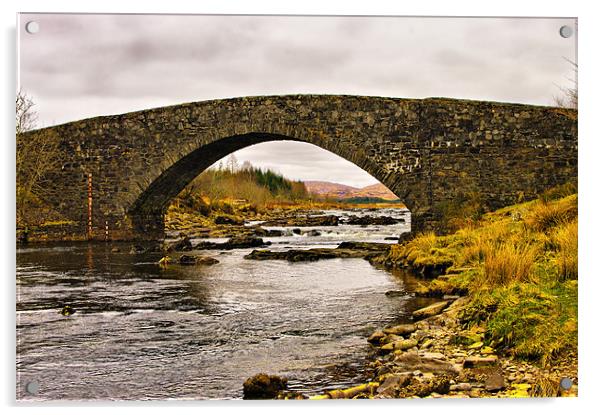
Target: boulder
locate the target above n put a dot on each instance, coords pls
(431, 310)
(401, 330)
(245, 242)
(399, 345)
(197, 260)
(206, 260)
(495, 382)
(375, 247)
(464, 387)
(364, 390)
(263, 386)
(390, 338)
(314, 254)
(236, 242)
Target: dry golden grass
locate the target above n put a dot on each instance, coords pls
(565, 239)
(545, 215)
(420, 246)
(509, 261)
(519, 268)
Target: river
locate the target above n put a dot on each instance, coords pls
(143, 332)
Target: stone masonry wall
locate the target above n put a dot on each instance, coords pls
(426, 151)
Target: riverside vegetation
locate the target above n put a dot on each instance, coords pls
(504, 320)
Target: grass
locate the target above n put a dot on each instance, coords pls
(546, 215)
(508, 261)
(519, 266)
(565, 240)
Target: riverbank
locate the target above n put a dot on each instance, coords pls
(228, 217)
(441, 357)
(505, 324)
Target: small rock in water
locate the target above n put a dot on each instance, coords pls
(115, 249)
(312, 232)
(263, 386)
(197, 260)
(395, 293)
(376, 337)
(67, 311)
(136, 249)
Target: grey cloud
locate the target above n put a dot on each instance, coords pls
(86, 65)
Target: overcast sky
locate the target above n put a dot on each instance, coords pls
(79, 66)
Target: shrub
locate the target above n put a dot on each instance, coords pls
(545, 215)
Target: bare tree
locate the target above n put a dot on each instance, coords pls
(37, 154)
(569, 97)
(26, 117)
(232, 163)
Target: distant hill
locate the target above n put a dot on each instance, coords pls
(342, 191)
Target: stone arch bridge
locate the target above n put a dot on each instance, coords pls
(429, 152)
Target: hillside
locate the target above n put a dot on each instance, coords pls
(341, 191)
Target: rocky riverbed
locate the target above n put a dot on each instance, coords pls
(435, 357)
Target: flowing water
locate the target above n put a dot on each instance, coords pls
(143, 332)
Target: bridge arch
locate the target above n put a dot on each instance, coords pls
(149, 207)
(427, 151)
